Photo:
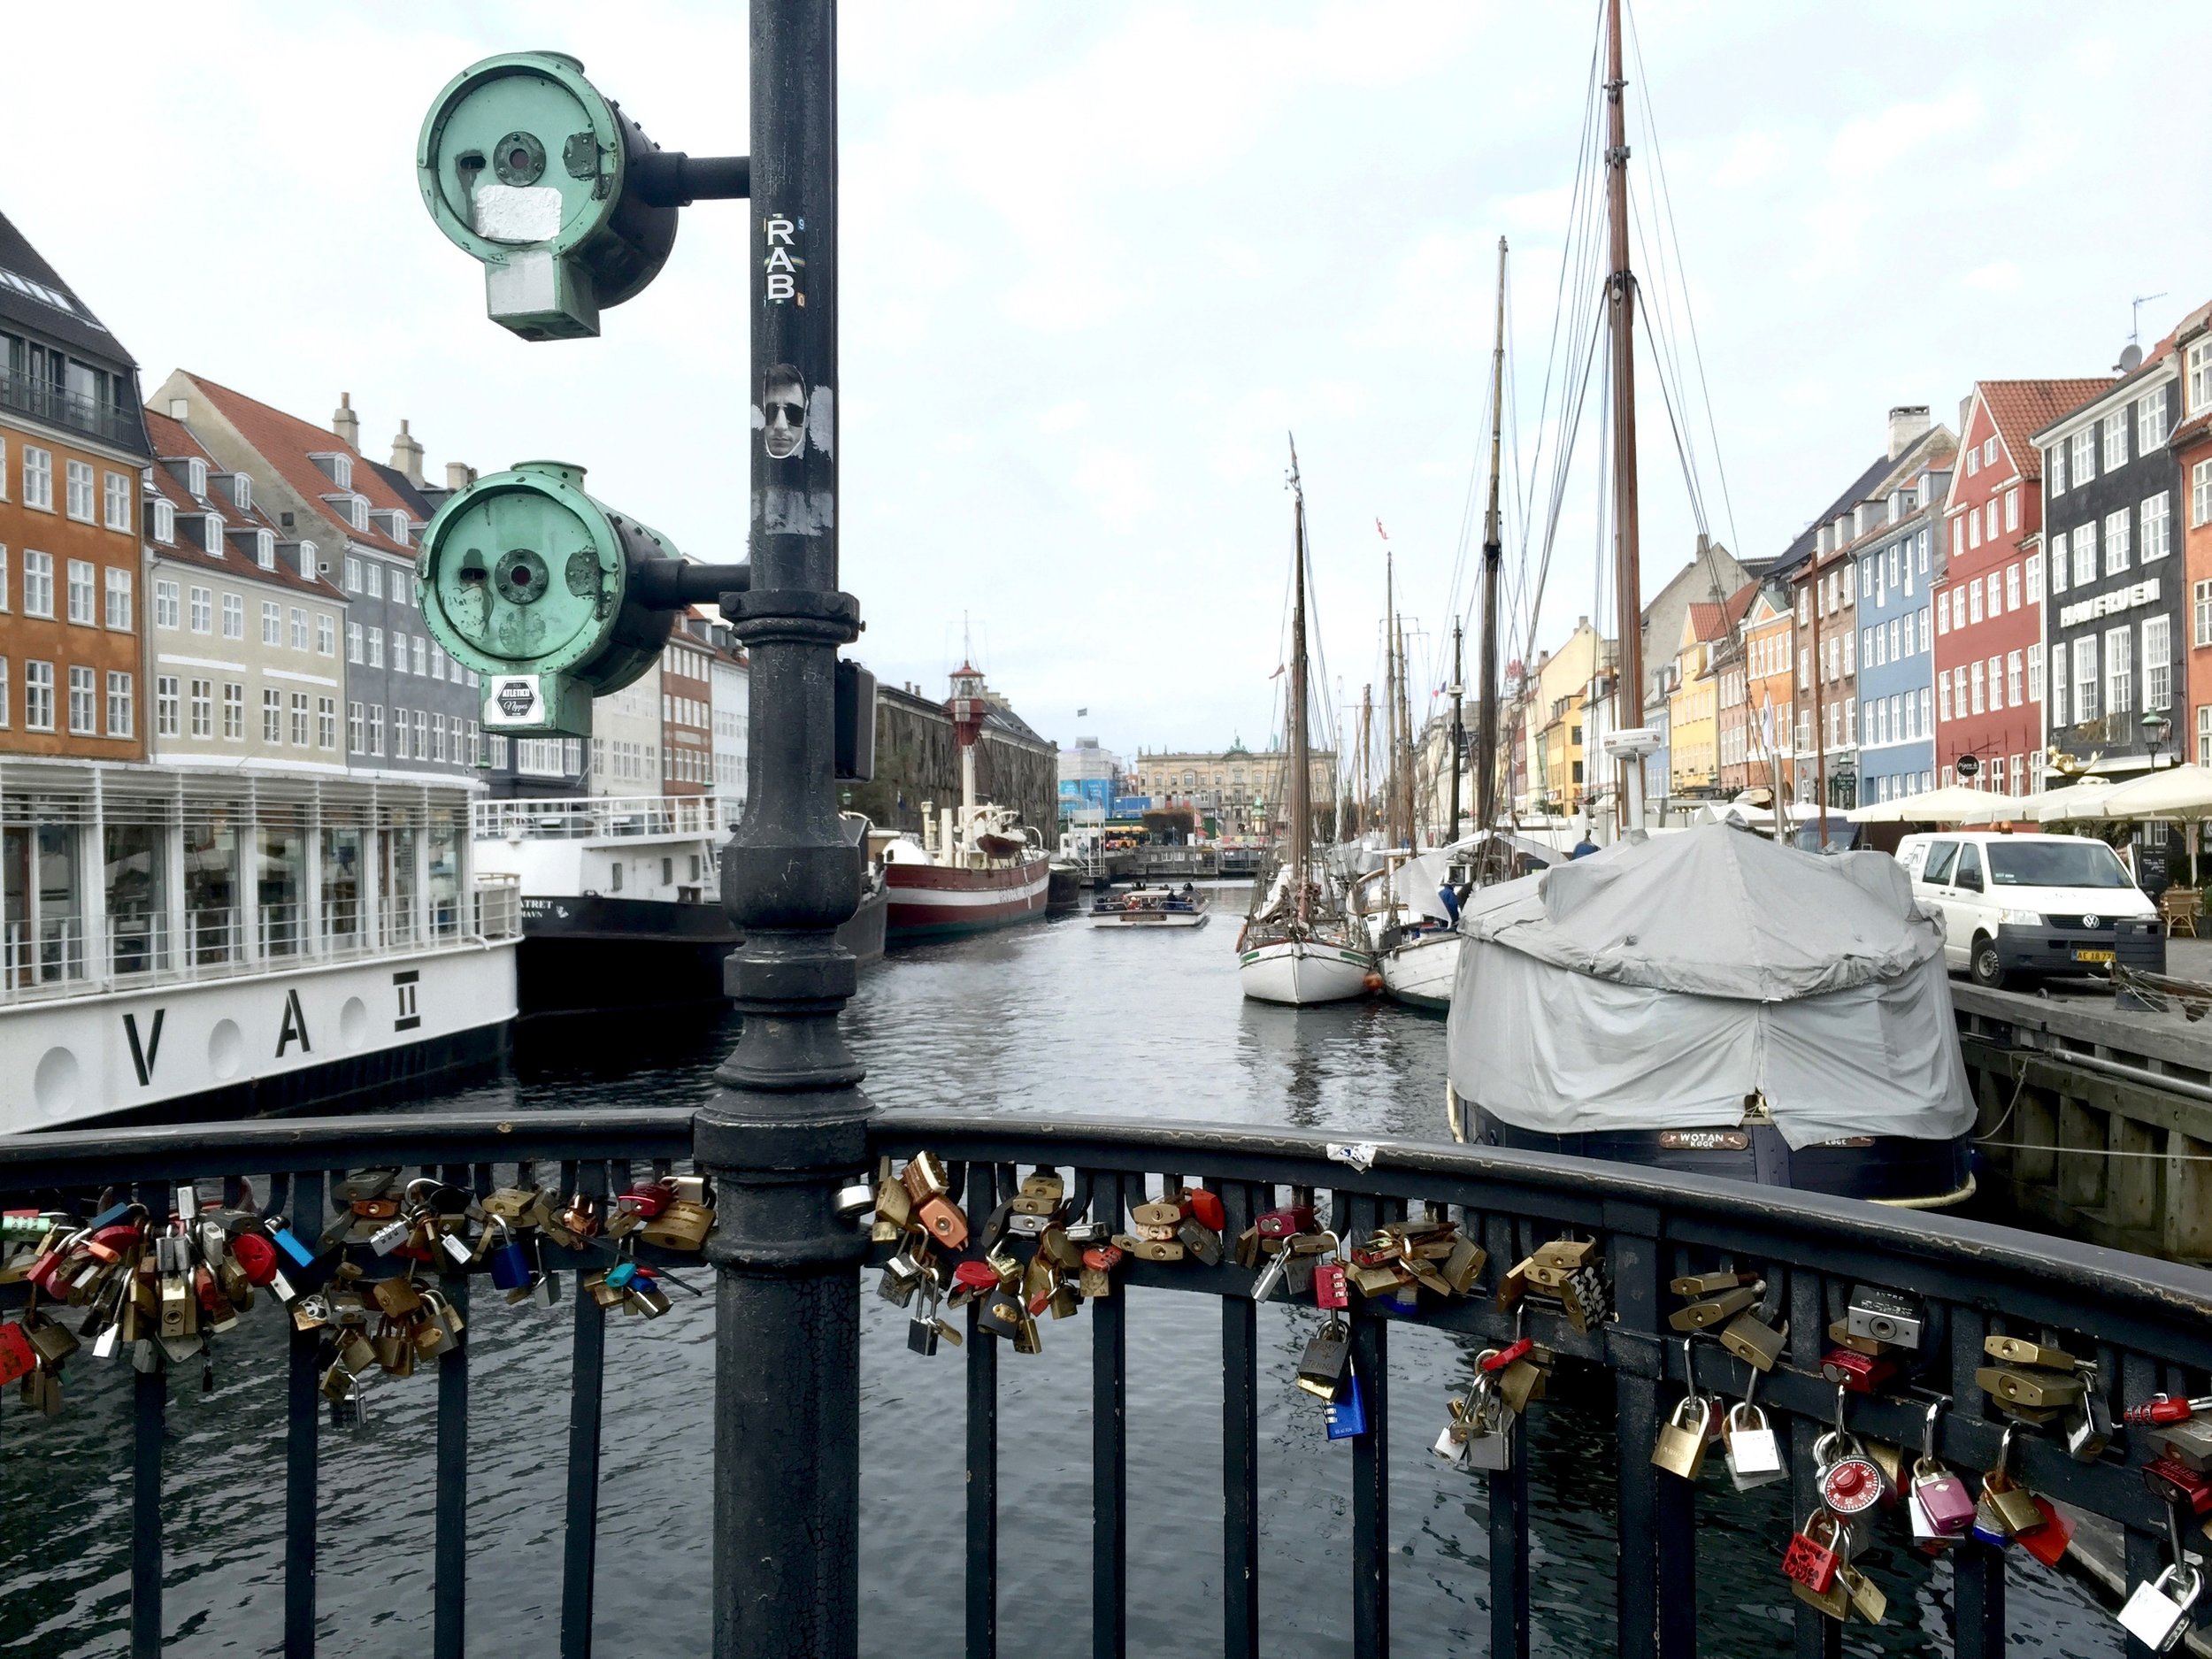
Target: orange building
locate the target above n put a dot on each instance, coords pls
(1769, 649)
(73, 447)
(2192, 444)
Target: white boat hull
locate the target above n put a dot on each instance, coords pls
(1300, 972)
(1420, 971)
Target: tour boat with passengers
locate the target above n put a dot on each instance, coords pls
(1144, 907)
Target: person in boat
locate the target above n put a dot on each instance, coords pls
(1583, 848)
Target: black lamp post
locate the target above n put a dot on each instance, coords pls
(2157, 728)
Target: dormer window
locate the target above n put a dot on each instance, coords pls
(211, 534)
(396, 525)
(265, 549)
(195, 478)
(242, 491)
(357, 512)
(165, 521)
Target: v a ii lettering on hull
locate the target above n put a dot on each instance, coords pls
(404, 987)
(294, 1027)
(146, 1050)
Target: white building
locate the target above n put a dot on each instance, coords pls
(731, 677)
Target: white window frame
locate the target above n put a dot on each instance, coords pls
(78, 501)
(272, 622)
(2158, 665)
(38, 695)
(2084, 455)
(2116, 441)
(122, 716)
(119, 611)
(166, 521)
(2150, 420)
(168, 603)
(168, 706)
(326, 635)
(38, 585)
(2158, 535)
(2085, 682)
(233, 616)
(38, 493)
(84, 701)
(233, 711)
(2119, 670)
(83, 594)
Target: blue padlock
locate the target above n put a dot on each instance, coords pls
(511, 1263)
(289, 1242)
(620, 1274)
(1347, 1412)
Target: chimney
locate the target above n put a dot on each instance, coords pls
(345, 423)
(407, 456)
(458, 475)
(1908, 423)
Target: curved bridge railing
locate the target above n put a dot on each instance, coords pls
(2146, 1327)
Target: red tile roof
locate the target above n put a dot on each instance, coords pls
(2024, 408)
(172, 438)
(285, 441)
(1707, 621)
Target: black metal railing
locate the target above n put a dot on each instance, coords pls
(2147, 1324)
(41, 400)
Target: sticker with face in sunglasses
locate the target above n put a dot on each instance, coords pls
(782, 412)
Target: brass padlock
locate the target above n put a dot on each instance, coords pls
(1463, 1265)
(1867, 1600)
(1753, 1340)
(924, 1177)
(395, 1297)
(1163, 1214)
(1840, 1336)
(510, 1204)
(1680, 1449)
(1713, 1310)
(2014, 1350)
(1694, 1286)
(894, 1206)
(682, 1226)
(2037, 1390)
(1567, 1253)
(1542, 1275)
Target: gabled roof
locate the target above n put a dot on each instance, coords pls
(2154, 361)
(1856, 492)
(418, 505)
(2020, 409)
(41, 301)
(173, 440)
(285, 441)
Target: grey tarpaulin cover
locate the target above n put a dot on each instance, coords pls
(1655, 986)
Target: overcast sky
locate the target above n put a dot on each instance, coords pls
(1098, 260)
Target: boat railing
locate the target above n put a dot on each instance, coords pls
(590, 817)
(498, 907)
(2144, 1326)
(49, 952)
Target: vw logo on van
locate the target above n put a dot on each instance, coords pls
(2092, 921)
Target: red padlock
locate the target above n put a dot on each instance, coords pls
(1506, 1355)
(257, 1257)
(1104, 1257)
(1205, 1207)
(2168, 1478)
(1855, 1485)
(1808, 1560)
(1286, 1223)
(17, 1356)
(1860, 1373)
(2047, 1543)
(1329, 1288)
(649, 1200)
(944, 1222)
(2169, 1409)
(976, 1276)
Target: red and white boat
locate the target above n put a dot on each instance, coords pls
(975, 869)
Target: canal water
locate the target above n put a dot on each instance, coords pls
(1056, 1018)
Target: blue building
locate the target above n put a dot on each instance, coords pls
(1891, 561)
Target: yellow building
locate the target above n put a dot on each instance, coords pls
(1553, 726)
(1694, 704)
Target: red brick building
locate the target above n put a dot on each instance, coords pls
(2193, 449)
(1989, 586)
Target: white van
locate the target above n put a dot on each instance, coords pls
(2021, 907)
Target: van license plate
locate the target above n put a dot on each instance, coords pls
(2093, 955)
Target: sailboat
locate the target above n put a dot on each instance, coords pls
(1420, 963)
(1298, 945)
(1702, 1002)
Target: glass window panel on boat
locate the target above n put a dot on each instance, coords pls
(41, 938)
(211, 919)
(280, 880)
(445, 872)
(136, 897)
(342, 860)
(402, 844)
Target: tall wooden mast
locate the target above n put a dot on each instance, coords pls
(1492, 558)
(1621, 311)
(1392, 828)
(1301, 792)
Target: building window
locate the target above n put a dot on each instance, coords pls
(81, 699)
(1996, 599)
(1974, 602)
(1973, 461)
(326, 722)
(2201, 494)
(38, 696)
(422, 733)
(353, 574)
(2085, 454)
(234, 710)
(2084, 554)
(2012, 588)
(165, 522)
(119, 599)
(233, 616)
(165, 705)
(3, 579)
(2086, 678)
(399, 652)
(120, 713)
(2012, 508)
(38, 583)
(2013, 667)
(1989, 519)
(2150, 421)
(376, 728)
(2054, 468)
(38, 491)
(326, 635)
(1974, 681)
(81, 591)
(1973, 528)
(299, 719)
(299, 629)
(78, 487)
(265, 549)
(2115, 439)
(2204, 735)
(2116, 526)
(2034, 564)
(2157, 528)
(2158, 670)
(437, 737)
(1958, 537)
(372, 579)
(2035, 672)
(2058, 564)
(203, 708)
(353, 642)
(2119, 670)
(1924, 627)
(2058, 684)
(376, 647)
(355, 729)
(272, 623)
(272, 716)
(421, 661)
(399, 735)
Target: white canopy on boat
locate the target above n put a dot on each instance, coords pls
(1656, 986)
